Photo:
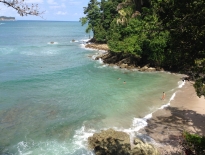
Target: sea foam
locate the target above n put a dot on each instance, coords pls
(47, 147)
(181, 84)
(81, 136)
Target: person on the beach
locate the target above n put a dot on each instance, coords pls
(163, 96)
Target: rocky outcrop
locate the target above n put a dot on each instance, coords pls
(119, 59)
(111, 142)
(141, 148)
(149, 69)
(122, 60)
(126, 61)
(98, 46)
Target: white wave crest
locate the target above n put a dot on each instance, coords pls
(168, 104)
(52, 43)
(47, 147)
(100, 61)
(84, 40)
(94, 57)
(81, 136)
(181, 84)
(41, 53)
(103, 66)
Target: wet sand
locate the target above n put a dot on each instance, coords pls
(186, 113)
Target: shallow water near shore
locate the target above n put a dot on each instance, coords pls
(53, 95)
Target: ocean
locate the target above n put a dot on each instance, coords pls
(53, 95)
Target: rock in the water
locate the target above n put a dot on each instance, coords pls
(151, 69)
(141, 148)
(145, 68)
(123, 65)
(111, 142)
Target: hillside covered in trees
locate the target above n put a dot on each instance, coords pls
(161, 33)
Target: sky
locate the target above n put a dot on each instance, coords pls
(54, 10)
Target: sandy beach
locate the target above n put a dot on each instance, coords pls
(186, 113)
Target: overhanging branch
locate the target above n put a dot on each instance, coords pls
(22, 8)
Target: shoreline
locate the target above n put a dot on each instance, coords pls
(123, 61)
(103, 47)
(185, 113)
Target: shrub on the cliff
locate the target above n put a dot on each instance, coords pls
(193, 144)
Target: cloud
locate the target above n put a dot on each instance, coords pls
(61, 13)
(76, 14)
(58, 6)
(72, 2)
(51, 2)
(34, 1)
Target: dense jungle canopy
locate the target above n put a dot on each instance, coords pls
(161, 33)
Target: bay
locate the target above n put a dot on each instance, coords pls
(53, 95)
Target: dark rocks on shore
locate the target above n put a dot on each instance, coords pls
(98, 46)
(122, 60)
(126, 61)
(111, 142)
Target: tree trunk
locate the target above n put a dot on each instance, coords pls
(138, 5)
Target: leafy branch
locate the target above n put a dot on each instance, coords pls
(22, 8)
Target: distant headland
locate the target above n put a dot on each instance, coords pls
(4, 18)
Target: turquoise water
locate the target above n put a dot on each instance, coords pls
(54, 96)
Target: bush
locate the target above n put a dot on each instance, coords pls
(193, 144)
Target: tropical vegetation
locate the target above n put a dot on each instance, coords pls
(161, 33)
(193, 144)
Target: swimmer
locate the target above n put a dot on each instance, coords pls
(163, 96)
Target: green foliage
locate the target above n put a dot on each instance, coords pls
(185, 21)
(200, 87)
(100, 33)
(89, 28)
(200, 77)
(193, 144)
(83, 20)
(124, 39)
(165, 33)
(92, 15)
(140, 36)
(99, 16)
